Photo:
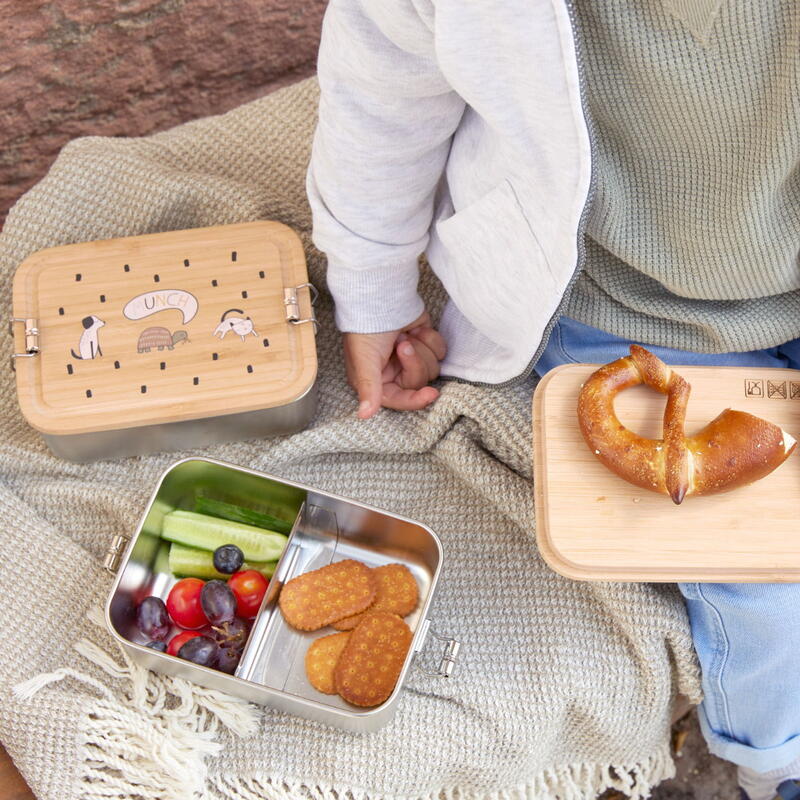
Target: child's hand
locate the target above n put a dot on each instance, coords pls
(393, 369)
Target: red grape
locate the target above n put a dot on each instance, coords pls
(228, 660)
(152, 619)
(200, 650)
(231, 634)
(218, 602)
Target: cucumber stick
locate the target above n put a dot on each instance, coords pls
(209, 533)
(249, 516)
(194, 563)
(272, 499)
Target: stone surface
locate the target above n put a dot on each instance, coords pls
(130, 67)
(698, 774)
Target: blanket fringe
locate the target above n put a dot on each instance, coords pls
(151, 741)
(571, 782)
(152, 738)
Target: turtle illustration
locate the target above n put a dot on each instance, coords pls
(180, 336)
(154, 337)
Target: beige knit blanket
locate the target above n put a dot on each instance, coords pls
(563, 688)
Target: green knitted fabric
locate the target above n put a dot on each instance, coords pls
(693, 237)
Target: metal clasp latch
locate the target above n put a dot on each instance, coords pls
(31, 339)
(114, 553)
(292, 305)
(448, 660)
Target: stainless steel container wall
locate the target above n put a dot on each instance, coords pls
(146, 439)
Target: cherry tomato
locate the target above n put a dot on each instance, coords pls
(249, 587)
(179, 640)
(183, 603)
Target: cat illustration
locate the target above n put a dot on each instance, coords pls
(242, 326)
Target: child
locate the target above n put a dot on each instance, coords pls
(580, 175)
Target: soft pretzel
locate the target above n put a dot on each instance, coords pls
(733, 450)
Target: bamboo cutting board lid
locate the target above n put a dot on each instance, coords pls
(593, 525)
(163, 327)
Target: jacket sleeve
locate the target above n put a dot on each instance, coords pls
(386, 118)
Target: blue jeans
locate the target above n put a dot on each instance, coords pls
(747, 635)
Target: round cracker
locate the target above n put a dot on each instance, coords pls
(397, 593)
(372, 659)
(315, 599)
(321, 659)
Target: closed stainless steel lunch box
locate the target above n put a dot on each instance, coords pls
(166, 341)
(328, 528)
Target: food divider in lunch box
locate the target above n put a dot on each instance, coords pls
(165, 341)
(326, 529)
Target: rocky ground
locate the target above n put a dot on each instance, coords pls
(699, 775)
(72, 68)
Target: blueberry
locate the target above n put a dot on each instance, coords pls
(228, 559)
(160, 646)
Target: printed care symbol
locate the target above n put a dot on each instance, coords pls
(794, 390)
(776, 389)
(753, 388)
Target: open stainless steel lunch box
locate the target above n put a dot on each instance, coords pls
(327, 529)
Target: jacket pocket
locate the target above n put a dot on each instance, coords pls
(493, 267)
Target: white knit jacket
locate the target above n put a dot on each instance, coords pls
(454, 128)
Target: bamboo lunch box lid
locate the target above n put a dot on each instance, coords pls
(163, 328)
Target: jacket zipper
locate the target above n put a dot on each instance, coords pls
(582, 221)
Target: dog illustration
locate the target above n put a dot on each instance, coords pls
(241, 326)
(89, 345)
